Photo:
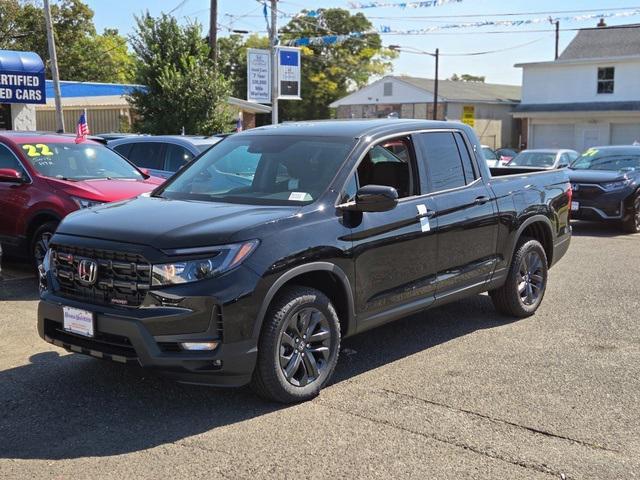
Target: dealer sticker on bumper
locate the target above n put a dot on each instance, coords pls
(78, 321)
(575, 206)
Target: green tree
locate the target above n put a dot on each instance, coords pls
(83, 55)
(465, 77)
(329, 72)
(182, 86)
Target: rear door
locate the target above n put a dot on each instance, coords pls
(395, 251)
(466, 215)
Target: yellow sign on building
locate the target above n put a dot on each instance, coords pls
(469, 115)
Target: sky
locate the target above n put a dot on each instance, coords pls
(519, 45)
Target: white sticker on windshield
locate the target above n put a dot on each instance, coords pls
(299, 196)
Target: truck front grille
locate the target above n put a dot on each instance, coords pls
(121, 278)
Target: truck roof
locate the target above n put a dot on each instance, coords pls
(350, 128)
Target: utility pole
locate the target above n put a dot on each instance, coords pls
(213, 30)
(54, 67)
(273, 40)
(435, 87)
(557, 38)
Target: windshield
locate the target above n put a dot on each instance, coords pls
(262, 170)
(607, 160)
(534, 159)
(489, 154)
(70, 161)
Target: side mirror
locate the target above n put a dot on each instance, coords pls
(9, 175)
(373, 198)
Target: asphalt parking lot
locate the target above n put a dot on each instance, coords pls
(457, 392)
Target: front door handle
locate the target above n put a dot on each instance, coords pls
(481, 200)
(426, 214)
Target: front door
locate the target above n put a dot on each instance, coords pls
(466, 211)
(13, 197)
(395, 251)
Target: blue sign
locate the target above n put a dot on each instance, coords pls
(21, 78)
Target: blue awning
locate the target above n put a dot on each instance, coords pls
(23, 62)
(70, 89)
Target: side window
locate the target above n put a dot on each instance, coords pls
(9, 160)
(176, 157)
(470, 173)
(564, 160)
(390, 163)
(123, 149)
(441, 159)
(147, 155)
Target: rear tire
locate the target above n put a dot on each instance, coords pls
(298, 346)
(632, 224)
(526, 283)
(40, 242)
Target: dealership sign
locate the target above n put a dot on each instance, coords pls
(21, 77)
(288, 73)
(258, 75)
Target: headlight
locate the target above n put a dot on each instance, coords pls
(85, 202)
(616, 185)
(222, 259)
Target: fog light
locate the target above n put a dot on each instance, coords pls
(199, 346)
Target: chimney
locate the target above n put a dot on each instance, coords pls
(601, 23)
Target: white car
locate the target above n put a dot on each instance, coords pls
(544, 158)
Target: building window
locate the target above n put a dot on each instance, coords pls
(605, 79)
(388, 89)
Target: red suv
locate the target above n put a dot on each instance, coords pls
(44, 177)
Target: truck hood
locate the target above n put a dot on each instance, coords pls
(104, 190)
(595, 176)
(169, 224)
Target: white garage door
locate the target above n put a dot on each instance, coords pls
(553, 136)
(625, 133)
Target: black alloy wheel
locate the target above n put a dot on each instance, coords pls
(40, 242)
(632, 224)
(304, 346)
(298, 346)
(525, 285)
(531, 280)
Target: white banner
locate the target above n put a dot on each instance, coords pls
(289, 73)
(258, 75)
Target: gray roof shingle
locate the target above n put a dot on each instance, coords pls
(467, 91)
(603, 42)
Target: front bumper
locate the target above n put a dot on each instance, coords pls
(221, 309)
(125, 339)
(600, 205)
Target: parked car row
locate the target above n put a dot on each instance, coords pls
(605, 180)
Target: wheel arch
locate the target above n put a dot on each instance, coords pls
(37, 219)
(539, 228)
(338, 289)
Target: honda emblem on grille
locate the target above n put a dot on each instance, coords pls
(87, 271)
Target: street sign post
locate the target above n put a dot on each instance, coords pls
(258, 75)
(288, 73)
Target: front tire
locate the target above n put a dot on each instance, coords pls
(298, 346)
(632, 223)
(40, 242)
(522, 293)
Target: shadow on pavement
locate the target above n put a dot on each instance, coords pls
(71, 406)
(597, 229)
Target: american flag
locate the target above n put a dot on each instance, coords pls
(82, 129)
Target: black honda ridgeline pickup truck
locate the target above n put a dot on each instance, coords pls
(251, 264)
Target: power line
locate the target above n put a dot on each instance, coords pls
(417, 51)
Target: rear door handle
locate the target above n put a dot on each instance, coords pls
(481, 200)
